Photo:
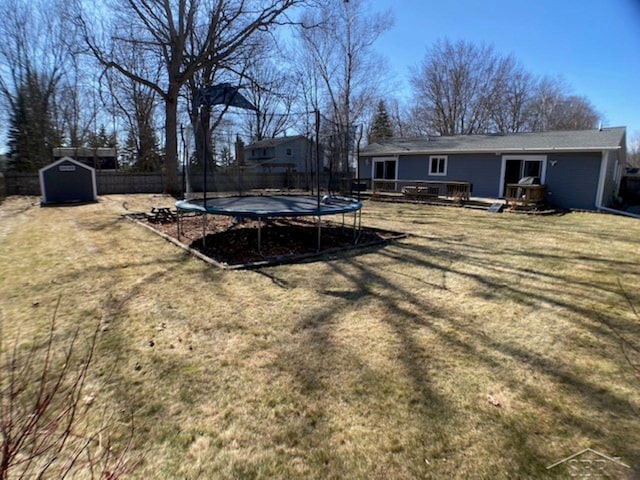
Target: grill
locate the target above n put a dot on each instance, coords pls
(529, 181)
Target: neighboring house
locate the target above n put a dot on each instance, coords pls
(98, 158)
(282, 154)
(580, 169)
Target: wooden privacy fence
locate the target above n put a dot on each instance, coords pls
(630, 189)
(138, 182)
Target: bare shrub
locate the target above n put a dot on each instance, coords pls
(48, 426)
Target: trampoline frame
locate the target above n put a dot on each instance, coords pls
(327, 205)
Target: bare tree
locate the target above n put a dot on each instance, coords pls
(547, 94)
(271, 90)
(511, 107)
(554, 108)
(76, 107)
(462, 88)
(633, 153)
(77, 103)
(456, 86)
(339, 50)
(33, 55)
(135, 103)
(163, 29)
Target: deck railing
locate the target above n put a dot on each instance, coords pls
(425, 189)
(525, 195)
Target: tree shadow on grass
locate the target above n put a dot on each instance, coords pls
(413, 312)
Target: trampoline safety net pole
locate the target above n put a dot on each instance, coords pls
(318, 175)
(204, 157)
(318, 158)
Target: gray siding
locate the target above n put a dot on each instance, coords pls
(298, 153)
(572, 182)
(482, 170)
(278, 154)
(572, 178)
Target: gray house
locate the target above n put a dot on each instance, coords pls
(579, 169)
(282, 154)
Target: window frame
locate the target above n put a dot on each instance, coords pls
(523, 158)
(437, 173)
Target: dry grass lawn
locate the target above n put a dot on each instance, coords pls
(482, 346)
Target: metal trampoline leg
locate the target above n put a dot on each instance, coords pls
(355, 227)
(204, 230)
(260, 237)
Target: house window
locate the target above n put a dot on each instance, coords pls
(438, 165)
(289, 152)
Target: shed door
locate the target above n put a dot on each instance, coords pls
(68, 183)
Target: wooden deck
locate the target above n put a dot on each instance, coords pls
(425, 189)
(527, 196)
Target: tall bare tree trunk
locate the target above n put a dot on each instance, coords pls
(171, 141)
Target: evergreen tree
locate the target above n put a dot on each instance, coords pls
(226, 157)
(141, 150)
(149, 159)
(381, 127)
(32, 135)
(102, 139)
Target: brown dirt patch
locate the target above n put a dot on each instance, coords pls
(285, 240)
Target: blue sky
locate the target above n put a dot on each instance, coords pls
(593, 45)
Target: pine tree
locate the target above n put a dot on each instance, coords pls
(102, 139)
(381, 127)
(32, 135)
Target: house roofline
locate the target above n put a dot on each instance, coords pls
(67, 159)
(488, 150)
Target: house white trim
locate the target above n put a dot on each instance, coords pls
(524, 157)
(375, 160)
(604, 167)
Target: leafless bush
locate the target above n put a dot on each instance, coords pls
(48, 426)
(630, 349)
